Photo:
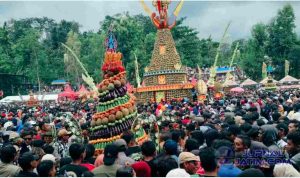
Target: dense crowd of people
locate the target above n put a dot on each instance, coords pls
(248, 135)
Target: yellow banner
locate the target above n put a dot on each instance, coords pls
(264, 70)
(286, 67)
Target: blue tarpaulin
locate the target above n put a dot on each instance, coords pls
(224, 69)
(58, 82)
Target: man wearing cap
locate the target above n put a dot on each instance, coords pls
(110, 166)
(189, 162)
(171, 149)
(62, 146)
(122, 160)
(28, 162)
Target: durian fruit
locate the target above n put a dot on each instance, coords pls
(119, 115)
(130, 110)
(111, 118)
(125, 111)
(98, 122)
(105, 120)
(123, 82)
(117, 83)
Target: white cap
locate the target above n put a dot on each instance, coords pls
(32, 122)
(8, 124)
(178, 172)
(48, 157)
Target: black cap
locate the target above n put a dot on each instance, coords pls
(38, 143)
(216, 121)
(27, 157)
(110, 154)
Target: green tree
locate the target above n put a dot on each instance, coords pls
(282, 38)
(253, 54)
(92, 53)
(294, 56)
(5, 50)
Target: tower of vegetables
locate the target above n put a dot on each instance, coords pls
(116, 110)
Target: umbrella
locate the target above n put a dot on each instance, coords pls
(237, 90)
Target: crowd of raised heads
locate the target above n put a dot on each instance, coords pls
(255, 134)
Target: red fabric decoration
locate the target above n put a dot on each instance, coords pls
(68, 93)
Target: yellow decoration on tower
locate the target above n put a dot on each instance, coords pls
(161, 79)
(177, 66)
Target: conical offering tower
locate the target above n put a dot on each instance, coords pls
(165, 78)
(116, 110)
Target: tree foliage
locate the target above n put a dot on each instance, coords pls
(276, 40)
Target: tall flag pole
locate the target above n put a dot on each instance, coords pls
(137, 76)
(231, 62)
(86, 77)
(212, 75)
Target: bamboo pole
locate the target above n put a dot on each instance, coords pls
(86, 77)
(212, 75)
(231, 62)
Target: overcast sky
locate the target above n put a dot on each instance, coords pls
(207, 17)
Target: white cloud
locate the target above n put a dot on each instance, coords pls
(208, 17)
(242, 16)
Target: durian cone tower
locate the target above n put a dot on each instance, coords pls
(116, 110)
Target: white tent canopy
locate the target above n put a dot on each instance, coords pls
(230, 83)
(248, 82)
(48, 97)
(287, 79)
